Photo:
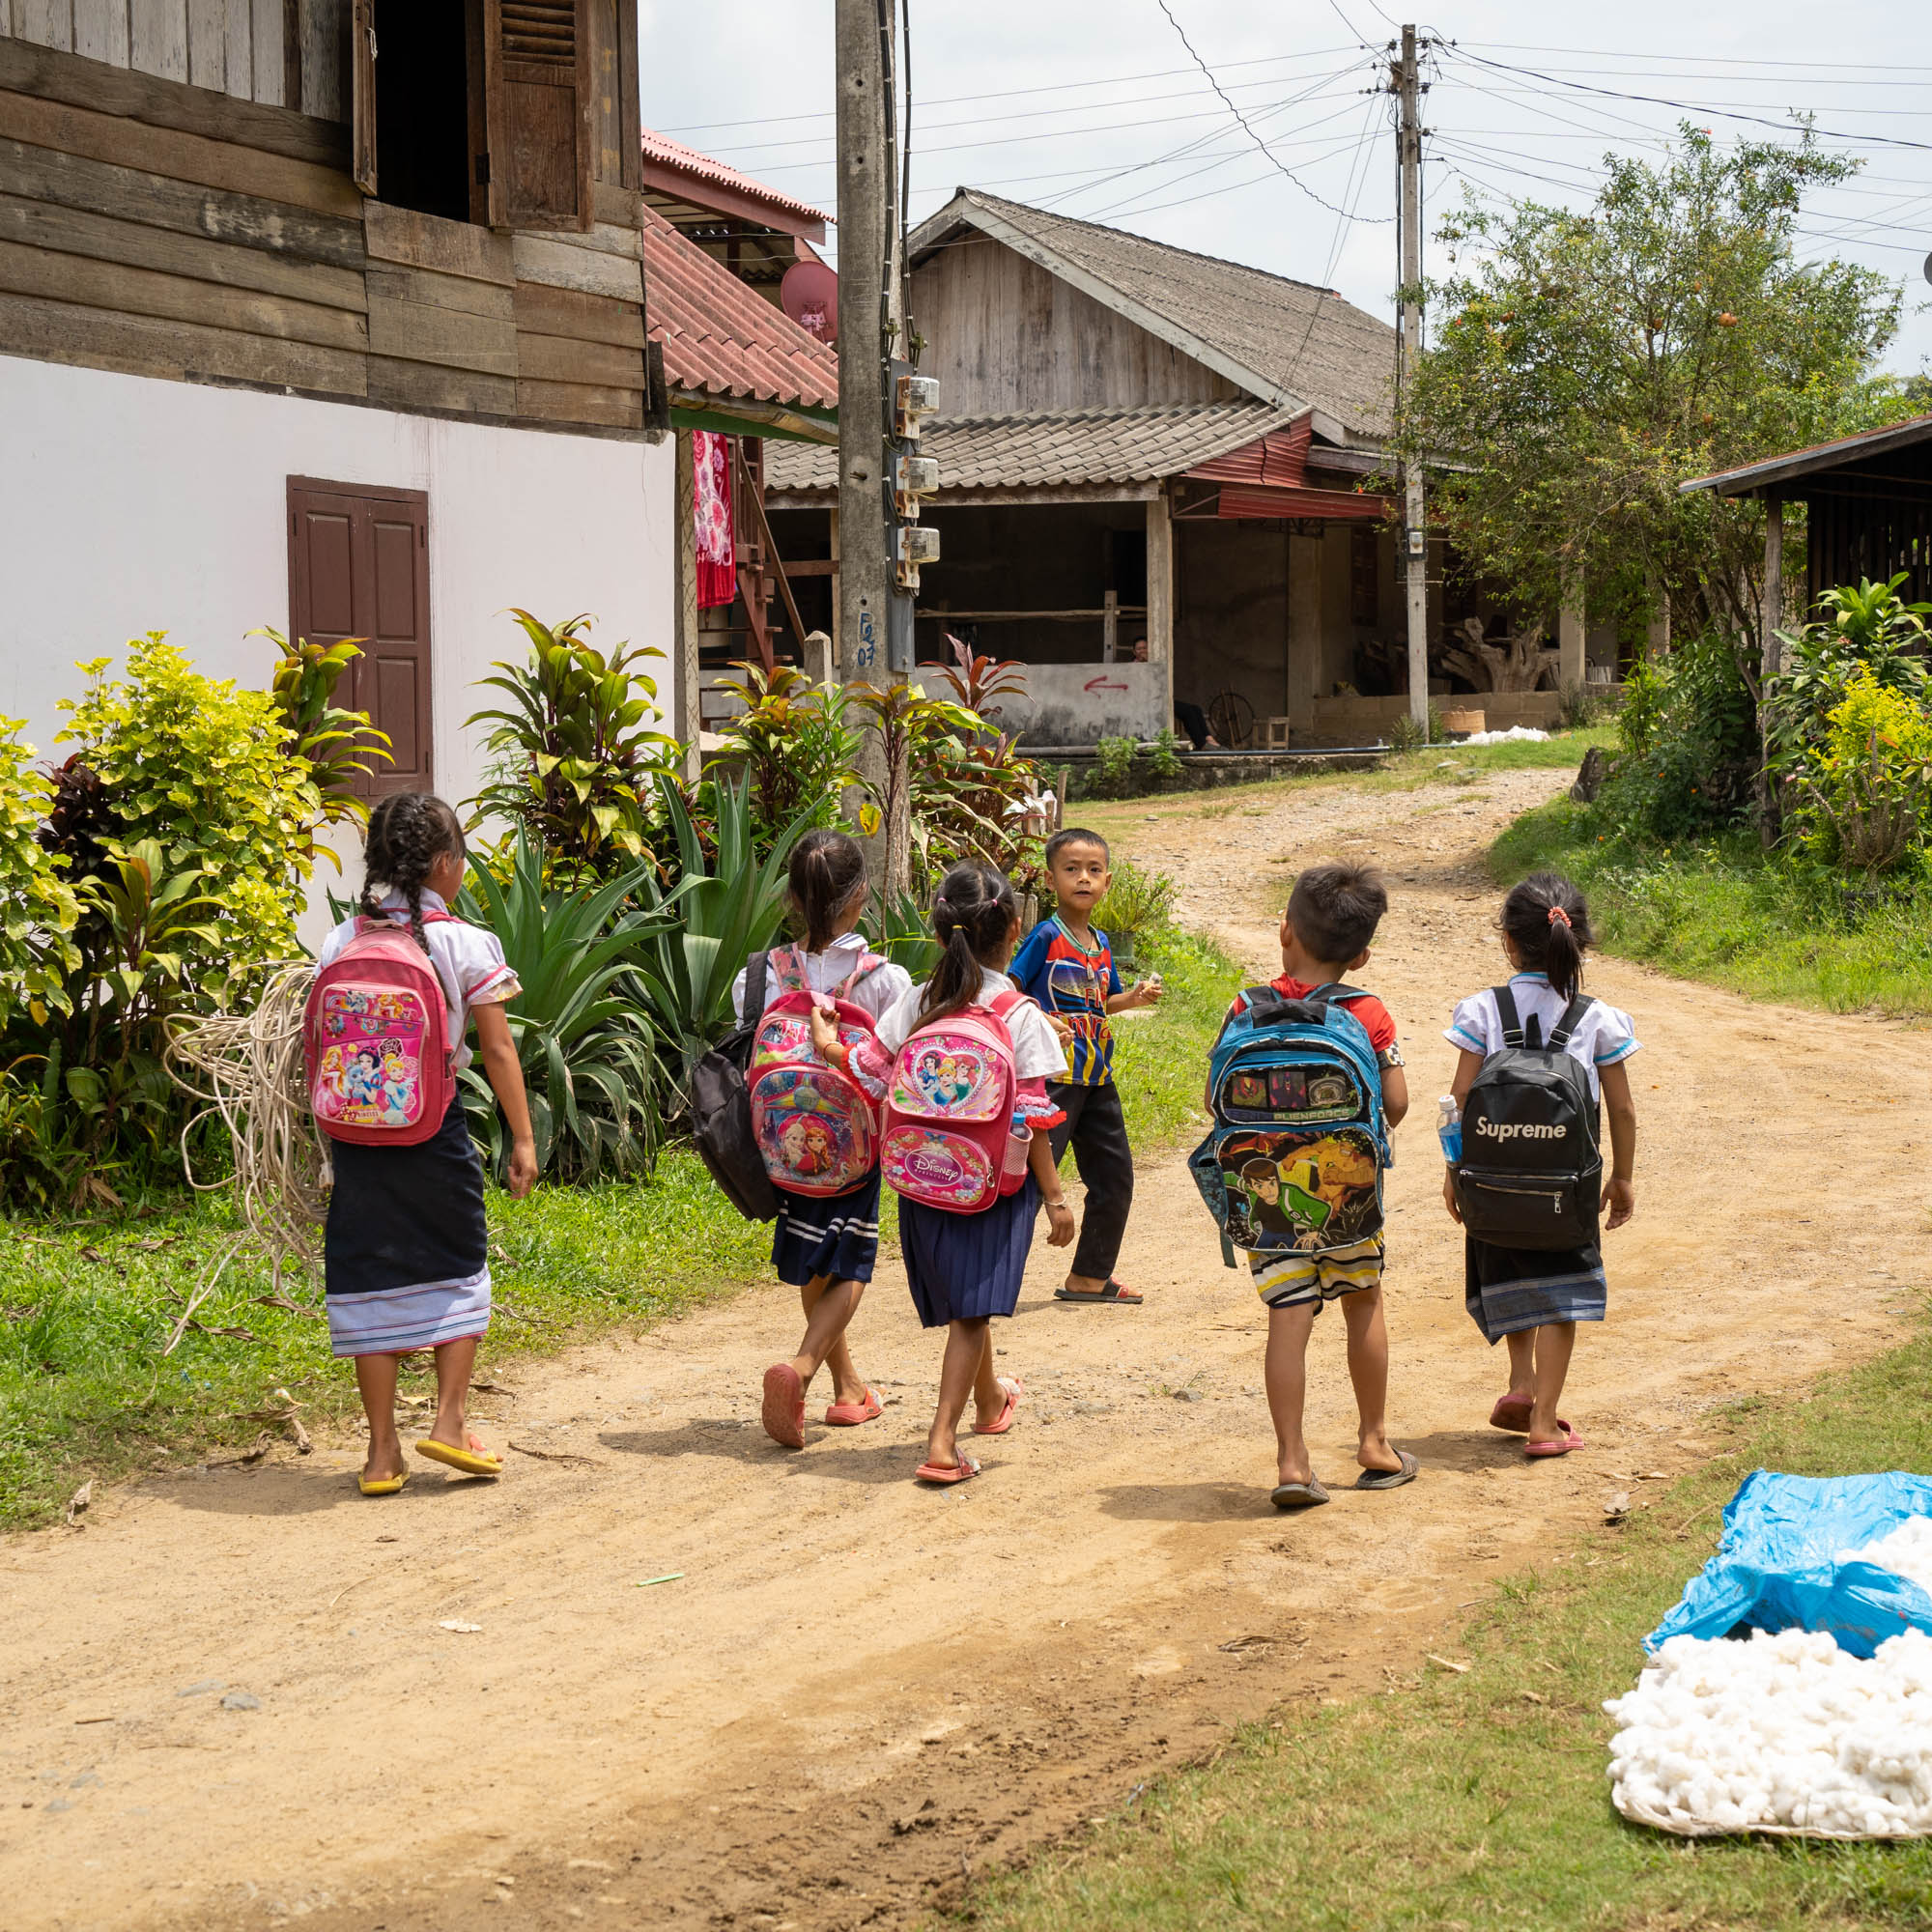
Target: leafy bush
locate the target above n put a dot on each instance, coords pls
(1688, 728)
(39, 908)
(587, 1048)
(1164, 754)
(1405, 734)
(902, 932)
(578, 762)
(1113, 761)
(1138, 905)
(798, 745)
(1869, 790)
(730, 903)
(340, 746)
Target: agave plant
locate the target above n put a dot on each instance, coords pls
(731, 904)
(589, 1050)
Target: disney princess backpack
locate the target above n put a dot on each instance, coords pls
(376, 1039)
(948, 1139)
(814, 1125)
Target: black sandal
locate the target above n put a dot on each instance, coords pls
(1113, 1291)
(1390, 1479)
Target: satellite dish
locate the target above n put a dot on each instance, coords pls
(810, 295)
(1928, 268)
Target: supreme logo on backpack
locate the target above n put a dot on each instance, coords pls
(814, 1125)
(1294, 1159)
(376, 1039)
(1531, 1173)
(948, 1140)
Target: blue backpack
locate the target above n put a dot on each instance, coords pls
(1295, 1155)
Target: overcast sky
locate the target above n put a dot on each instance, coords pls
(1095, 107)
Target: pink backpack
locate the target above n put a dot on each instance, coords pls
(375, 1037)
(949, 1140)
(814, 1125)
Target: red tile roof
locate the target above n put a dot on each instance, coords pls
(673, 156)
(719, 336)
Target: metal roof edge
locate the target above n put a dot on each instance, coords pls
(1753, 476)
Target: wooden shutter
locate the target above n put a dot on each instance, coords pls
(536, 56)
(363, 91)
(358, 567)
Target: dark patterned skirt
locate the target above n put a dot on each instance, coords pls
(832, 1235)
(1508, 1290)
(405, 1252)
(962, 1267)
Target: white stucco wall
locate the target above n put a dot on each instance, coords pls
(129, 504)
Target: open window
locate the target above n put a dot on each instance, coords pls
(475, 110)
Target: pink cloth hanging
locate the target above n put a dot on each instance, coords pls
(716, 552)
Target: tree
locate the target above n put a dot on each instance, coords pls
(1592, 362)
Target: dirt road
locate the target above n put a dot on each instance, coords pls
(243, 1696)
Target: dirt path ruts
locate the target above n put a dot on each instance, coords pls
(859, 1691)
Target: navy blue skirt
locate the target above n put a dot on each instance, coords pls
(963, 1268)
(832, 1235)
(1508, 1290)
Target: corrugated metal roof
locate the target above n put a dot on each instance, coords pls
(1052, 448)
(1800, 463)
(665, 153)
(1287, 342)
(720, 338)
(1280, 456)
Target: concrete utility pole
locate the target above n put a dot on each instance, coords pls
(865, 283)
(1408, 86)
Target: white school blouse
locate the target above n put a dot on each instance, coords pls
(827, 970)
(468, 960)
(1036, 1050)
(1603, 1037)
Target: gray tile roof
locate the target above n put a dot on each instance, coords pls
(1051, 447)
(1283, 341)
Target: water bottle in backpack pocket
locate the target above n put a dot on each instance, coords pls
(948, 1139)
(1531, 1172)
(1296, 1157)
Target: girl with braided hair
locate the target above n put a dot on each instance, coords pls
(964, 1268)
(405, 1251)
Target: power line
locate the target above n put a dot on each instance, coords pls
(1239, 116)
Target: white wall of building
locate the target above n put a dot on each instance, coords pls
(129, 504)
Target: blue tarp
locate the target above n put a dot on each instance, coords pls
(1777, 1567)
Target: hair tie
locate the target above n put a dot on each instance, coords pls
(1558, 917)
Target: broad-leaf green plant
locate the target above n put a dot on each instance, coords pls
(342, 747)
(39, 908)
(578, 753)
(587, 1047)
(796, 742)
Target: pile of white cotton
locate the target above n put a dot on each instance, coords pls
(1907, 1551)
(1516, 734)
(1784, 1732)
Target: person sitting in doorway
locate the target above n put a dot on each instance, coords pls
(1190, 718)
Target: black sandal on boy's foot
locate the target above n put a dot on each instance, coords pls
(1389, 1479)
(1300, 1495)
(1114, 1291)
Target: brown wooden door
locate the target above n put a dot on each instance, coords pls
(358, 567)
(537, 79)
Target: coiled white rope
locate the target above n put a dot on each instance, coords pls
(248, 1071)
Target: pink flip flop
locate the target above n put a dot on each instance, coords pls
(784, 1405)
(849, 1414)
(1510, 1412)
(1003, 1421)
(1570, 1440)
(943, 1475)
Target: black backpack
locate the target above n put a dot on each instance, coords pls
(1531, 1172)
(720, 1110)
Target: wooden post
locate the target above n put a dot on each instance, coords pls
(1571, 633)
(685, 674)
(1110, 627)
(1772, 605)
(1160, 598)
(1304, 633)
(1656, 640)
(837, 656)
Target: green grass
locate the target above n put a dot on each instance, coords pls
(86, 1311)
(1160, 1061)
(1480, 1801)
(1721, 911)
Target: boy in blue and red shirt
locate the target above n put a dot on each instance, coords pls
(1066, 964)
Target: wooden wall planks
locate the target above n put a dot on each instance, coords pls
(568, 265)
(542, 310)
(101, 31)
(454, 338)
(157, 37)
(580, 403)
(428, 241)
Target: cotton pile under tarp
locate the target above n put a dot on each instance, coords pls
(1777, 1568)
(1800, 1729)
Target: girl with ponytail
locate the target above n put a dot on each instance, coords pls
(965, 1268)
(824, 1245)
(1533, 1298)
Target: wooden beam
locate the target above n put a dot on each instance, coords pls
(686, 723)
(715, 198)
(116, 89)
(773, 563)
(1772, 608)
(1160, 587)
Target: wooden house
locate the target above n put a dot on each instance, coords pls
(755, 231)
(1138, 441)
(329, 315)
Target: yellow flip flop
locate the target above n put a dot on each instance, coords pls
(383, 1486)
(466, 1460)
